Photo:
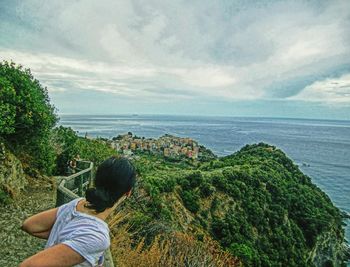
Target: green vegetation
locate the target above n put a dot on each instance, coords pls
(27, 121)
(4, 197)
(256, 203)
(26, 116)
(68, 144)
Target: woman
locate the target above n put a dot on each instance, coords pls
(76, 231)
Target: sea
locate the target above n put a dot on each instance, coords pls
(320, 147)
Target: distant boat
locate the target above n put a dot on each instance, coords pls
(305, 164)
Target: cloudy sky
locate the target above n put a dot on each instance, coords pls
(234, 58)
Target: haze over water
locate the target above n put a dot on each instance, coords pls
(320, 147)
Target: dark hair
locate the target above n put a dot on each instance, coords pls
(114, 177)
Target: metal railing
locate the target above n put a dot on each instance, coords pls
(74, 186)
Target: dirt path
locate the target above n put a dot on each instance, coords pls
(17, 245)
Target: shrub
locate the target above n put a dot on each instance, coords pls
(190, 200)
(244, 252)
(206, 189)
(68, 144)
(165, 184)
(25, 105)
(192, 180)
(4, 197)
(7, 107)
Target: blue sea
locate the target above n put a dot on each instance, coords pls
(320, 147)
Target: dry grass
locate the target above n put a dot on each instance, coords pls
(175, 249)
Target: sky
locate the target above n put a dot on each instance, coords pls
(200, 57)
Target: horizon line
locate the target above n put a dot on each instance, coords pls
(198, 115)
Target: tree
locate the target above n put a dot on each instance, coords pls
(7, 107)
(26, 115)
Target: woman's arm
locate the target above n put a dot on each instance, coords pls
(58, 255)
(40, 224)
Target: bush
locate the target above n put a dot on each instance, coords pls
(195, 179)
(43, 155)
(206, 189)
(4, 197)
(192, 180)
(139, 219)
(93, 150)
(68, 144)
(7, 107)
(244, 252)
(164, 184)
(25, 106)
(221, 183)
(63, 138)
(190, 200)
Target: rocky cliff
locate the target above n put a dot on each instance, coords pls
(329, 250)
(12, 177)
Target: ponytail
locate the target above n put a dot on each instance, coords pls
(99, 199)
(114, 177)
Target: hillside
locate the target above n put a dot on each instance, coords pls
(253, 207)
(256, 203)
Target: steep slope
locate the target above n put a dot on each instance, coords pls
(256, 203)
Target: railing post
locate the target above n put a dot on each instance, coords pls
(80, 181)
(91, 173)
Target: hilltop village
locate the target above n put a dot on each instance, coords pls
(169, 146)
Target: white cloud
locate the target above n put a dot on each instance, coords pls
(207, 48)
(330, 91)
(209, 76)
(53, 89)
(123, 79)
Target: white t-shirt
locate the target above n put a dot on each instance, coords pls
(84, 233)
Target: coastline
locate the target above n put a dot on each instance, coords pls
(310, 142)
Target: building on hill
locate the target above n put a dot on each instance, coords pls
(166, 145)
